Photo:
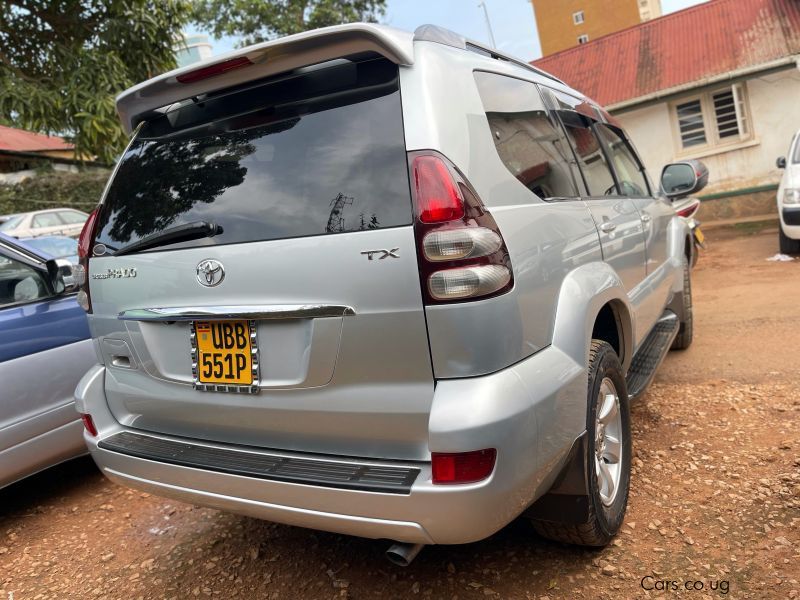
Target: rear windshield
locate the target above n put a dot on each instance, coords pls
(313, 153)
(11, 223)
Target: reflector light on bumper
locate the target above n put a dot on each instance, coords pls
(462, 467)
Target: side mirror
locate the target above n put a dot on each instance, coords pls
(781, 162)
(681, 179)
(63, 276)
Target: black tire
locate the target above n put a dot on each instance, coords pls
(787, 244)
(604, 521)
(686, 332)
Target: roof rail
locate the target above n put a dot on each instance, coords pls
(442, 35)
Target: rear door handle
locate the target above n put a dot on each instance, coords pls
(608, 227)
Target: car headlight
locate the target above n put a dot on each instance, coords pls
(791, 196)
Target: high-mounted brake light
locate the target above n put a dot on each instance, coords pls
(461, 253)
(85, 243)
(213, 70)
(462, 467)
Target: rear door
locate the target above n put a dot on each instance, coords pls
(656, 213)
(44, 351)
(303, 182)
(616, 217)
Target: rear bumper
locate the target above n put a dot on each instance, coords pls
(531, 413)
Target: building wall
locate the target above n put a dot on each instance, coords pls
(775, 114)
(649, 9)
(557, 31)
(192, 49)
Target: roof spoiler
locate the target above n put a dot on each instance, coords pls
(262, 60)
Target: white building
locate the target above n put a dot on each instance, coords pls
(718, 81)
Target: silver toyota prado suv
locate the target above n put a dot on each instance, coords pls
(386, 284)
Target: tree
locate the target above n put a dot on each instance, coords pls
(259, 20)
(62, 62)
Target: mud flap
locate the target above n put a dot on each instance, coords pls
(568, 499)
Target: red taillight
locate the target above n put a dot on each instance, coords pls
(438, 197)
(86, 237)
(462, 467)
(85, 243)
(88, 423)
(461, 254)
(215, 69)
(688, 211)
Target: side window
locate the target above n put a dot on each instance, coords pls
(46, 220)
(70, 217)
(630, 175)
(528, 140)
(20, 283)
(590, 155)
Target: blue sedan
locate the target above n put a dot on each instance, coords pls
(45, 349)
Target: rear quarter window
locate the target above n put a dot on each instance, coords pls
(326, 156)
(529, 142)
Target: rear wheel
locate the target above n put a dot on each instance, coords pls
(686, 332)
(608, 458)
(787, 244)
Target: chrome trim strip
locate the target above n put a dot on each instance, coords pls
(266, 311)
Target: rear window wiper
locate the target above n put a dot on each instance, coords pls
(172, 235)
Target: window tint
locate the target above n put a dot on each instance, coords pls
(629, 174)
(20, 283)
(327, 155)
(590, 155)
(46, 220)
(529, 142)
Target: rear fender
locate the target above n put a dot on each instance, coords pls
(584, 292)
(679, 238)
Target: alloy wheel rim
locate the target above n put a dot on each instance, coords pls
(608, 442)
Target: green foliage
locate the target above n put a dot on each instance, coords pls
(54, 190)
(62, 62)
(258, 20)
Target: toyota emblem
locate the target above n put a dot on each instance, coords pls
(210, 272)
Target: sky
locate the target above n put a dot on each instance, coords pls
(513, 23)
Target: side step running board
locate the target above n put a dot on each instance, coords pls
(651, 353)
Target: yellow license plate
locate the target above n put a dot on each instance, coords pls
(699, 235)
(224, 352)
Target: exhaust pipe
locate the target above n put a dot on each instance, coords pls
(401, 554)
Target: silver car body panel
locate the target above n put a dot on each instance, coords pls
(319, 390)
(531, 425)
(391, 379)
(38, 423)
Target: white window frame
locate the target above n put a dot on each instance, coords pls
(710, 126)
(578, 17)
(583, 39)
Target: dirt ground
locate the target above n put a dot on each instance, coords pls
(715, 495)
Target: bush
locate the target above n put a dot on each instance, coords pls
(54, 190)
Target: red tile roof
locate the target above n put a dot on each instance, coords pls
(20, 140)
(689, 46)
